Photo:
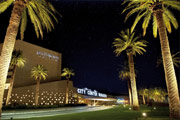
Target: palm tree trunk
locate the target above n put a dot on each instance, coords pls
(37, 91)
(11, 85)
(130, 92)
(133, 81)
(67, 91)
(144, 102)
(8, 45)
(171, 81)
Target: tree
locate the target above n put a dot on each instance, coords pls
(157, 94)
(159, 11)
(38, 72)
(143, 93)
(132, 45)
(17, 60)
(124, 74)
(67, 73)
(41, 13)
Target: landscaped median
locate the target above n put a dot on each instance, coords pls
(116, 113)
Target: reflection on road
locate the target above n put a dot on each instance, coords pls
(49, 112)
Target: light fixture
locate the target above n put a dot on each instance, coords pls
(144, 114)
(7, 86)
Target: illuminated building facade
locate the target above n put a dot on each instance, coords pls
(51, 93)
(34, 55)
(52, 90)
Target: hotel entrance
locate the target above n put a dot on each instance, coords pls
(94, 98)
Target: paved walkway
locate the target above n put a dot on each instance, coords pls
(49, 112)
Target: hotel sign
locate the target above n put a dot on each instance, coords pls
(47, 55)
(86, 91)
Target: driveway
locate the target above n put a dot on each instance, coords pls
(17, 114)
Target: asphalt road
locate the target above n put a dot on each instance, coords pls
(18, 114)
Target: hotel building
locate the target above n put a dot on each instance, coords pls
(52, 90)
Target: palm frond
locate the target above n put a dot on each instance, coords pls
(42, 14)
(167, 23)
(155, 27)
(66, 72)
(32, 9)
(23, 23)
(134, 11)
(137, 19)
(147, 18)
(39, 72)
(171, 17)
(120, 44)
(172, 3)
(33, 19)
(129, 42)
(124, 74)
(17, 59)
(5, 4)
(147, 8)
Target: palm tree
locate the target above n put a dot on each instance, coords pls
(124, 74)
(157, 94)
(143, 93)
(132, 45)
(17, 60)
(40, 12)
(38, 72)
(159, 11)
(67, 73)
(175, 59)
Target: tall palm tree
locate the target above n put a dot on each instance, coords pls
(17, 60)
(41, 13)
(143, 93)
(38, 72)
(127, 41)
(159, 11)
(67, 73)
(124, 74)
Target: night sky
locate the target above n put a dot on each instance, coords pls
(84, 36)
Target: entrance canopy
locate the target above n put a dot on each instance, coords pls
(99, 98)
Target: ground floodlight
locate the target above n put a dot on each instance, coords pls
(144, 114)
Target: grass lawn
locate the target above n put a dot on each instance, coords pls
(116, 113)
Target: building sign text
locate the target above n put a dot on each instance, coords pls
(86, 91)
(47, 55)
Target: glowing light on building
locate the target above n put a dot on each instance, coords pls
(121, 101)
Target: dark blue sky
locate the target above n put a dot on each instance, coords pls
(84, 36)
